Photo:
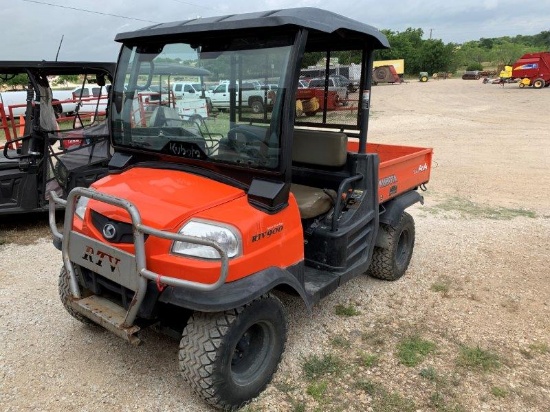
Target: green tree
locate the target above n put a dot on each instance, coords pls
(506, 52)
(311, 59)
(67, 78)
(542, 40)
(14, 81)
(435, 56)
(404, 45)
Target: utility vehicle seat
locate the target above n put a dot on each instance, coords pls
(165, 116)
(317, 148)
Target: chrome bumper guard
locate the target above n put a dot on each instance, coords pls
(124, 325)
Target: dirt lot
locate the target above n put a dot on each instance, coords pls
(465, 330)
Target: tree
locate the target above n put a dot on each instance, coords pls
(14, 81)
(435, 56)
(67, 78)
(311, 59)
(404, 45)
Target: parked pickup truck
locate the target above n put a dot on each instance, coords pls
(253, 96)
(17, 100)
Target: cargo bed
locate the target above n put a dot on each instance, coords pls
(402, 168)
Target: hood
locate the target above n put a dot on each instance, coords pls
(164, 198)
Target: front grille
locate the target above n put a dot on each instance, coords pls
(123, 232)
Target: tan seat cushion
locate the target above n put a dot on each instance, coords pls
(320, 148)
(312, 201)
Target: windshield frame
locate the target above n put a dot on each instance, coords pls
(279, 124)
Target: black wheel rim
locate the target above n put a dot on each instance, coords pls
(251, 353)
(403, 248)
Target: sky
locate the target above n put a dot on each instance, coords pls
(33, 29)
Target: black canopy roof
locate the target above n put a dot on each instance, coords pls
(316, 20)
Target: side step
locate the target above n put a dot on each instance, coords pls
(107, 314)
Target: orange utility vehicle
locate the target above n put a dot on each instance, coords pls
(199, 226)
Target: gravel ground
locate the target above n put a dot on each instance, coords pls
(478, 278)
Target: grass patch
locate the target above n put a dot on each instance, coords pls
(413, 350)
(368, 360)
(469, 209)
(541, 348)
(442, 286)
(384, 401)
(347, 311)
(299, 407)
(368, 387)
(429, 373)
(340, 342)
(477, 358)
(439, 402)
(393, 402)
(498, 392)
(317, 390)
(317, 366)
(373, 338)
(535, 349)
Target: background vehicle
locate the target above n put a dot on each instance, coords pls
(334, 84)
(253, 95)
(51, 155)
(199, 228)
(182, 89)
(533, 69)
(385, 74)
(471, 75)
(344, 81)
(65, 101)
(160, 90)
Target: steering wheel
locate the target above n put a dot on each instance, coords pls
(247, 147)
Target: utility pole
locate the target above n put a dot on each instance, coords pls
(431, 34)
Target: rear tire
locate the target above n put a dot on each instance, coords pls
(230, 357)
(65, 296)
(538, 83)
(257, 106)
(424, 79)
(391, 262)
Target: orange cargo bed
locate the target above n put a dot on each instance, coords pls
(402, 168)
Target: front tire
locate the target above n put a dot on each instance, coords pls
(65, 296)
(230, 357)
(392, 261)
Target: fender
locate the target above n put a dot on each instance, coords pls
(240, 292)
(390, 212)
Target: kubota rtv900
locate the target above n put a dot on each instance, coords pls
(200, 224)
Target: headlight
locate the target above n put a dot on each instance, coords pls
(226, 236)
(81, 206)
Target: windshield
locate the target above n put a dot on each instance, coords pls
(224, 115)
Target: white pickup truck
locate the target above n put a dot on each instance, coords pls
(252, 96)
(69, 99)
